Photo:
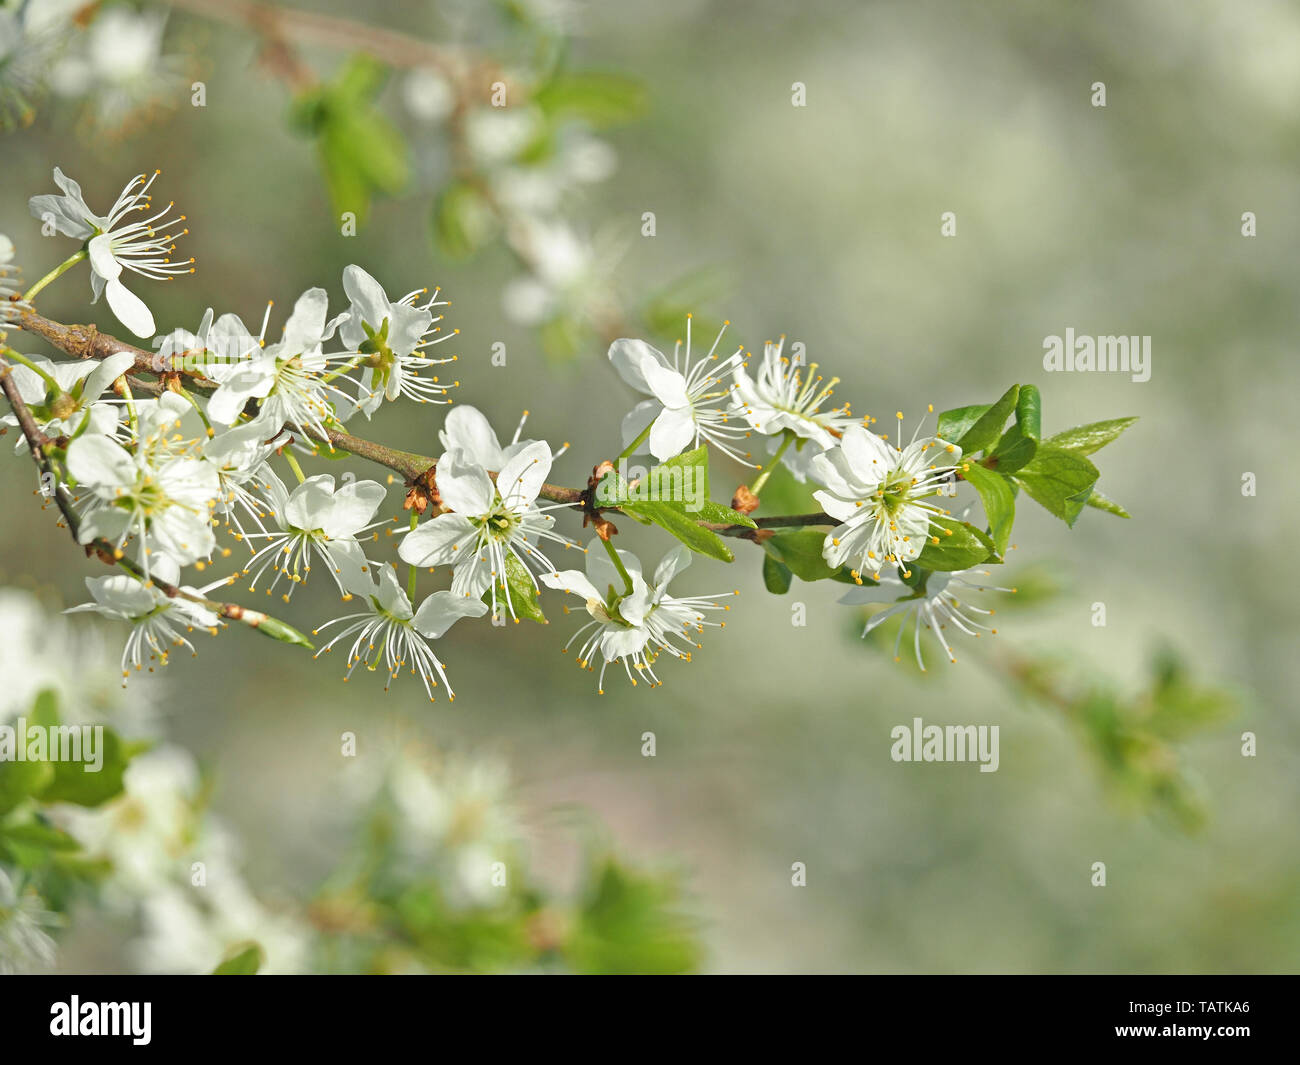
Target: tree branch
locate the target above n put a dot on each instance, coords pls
(87, 342)
(37, 441)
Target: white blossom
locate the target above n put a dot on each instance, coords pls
(488, 526)
(158, 621)
(391, 632)
(24, 943)
(392, 340)
(690, 401)
(635, 627)
(163, 493)
(316, 520)
(118, 241)
(880, 494)
(941, 603)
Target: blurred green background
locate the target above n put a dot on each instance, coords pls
(822, 223)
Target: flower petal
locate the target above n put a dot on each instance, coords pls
(671, 433)
(129, 308)
(466, 429)
(463, 485)
(99, 462)
(522, 477)
(433, 543)
(442, 610)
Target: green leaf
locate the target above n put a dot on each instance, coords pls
(987, 428)
(36, 844)
(672, 518)
(1102, 502)
(777, 576)
(1085, 439)
(800, 551)
(22, 780)
(463, 220)
(522, 591)
(719, 515)
(361, 152)
(960, 546)
(1061, 481)
(953, 424)
(242, 961)
(999, 502)
(1029, 412)
(1014, 450)
(629, 922)
(599, 98)
(675, 514)
(276, 629)
(73, 782)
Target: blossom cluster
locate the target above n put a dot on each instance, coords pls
(183, 471)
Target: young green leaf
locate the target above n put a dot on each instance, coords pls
(673, 518)
(242, 961)
(522, 591)
(1029, 412)
(800, 550)
(73, 782)
(276, 629)
(1102, 502)
(1059, 480)
(776, 575)
(960, 545)
(987, 428)
(1085, 439)
(1014, 450)
(954, 423)
(999, 503)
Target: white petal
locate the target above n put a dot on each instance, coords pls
(630, 358)
(672, 432)
(431, 544)
(391, 594)
(869, 457)
(464, 486)
(102, 261)
(105, 374)
(467, 430)
(667, 386)
(306, 324)
(574, 582)
(676, 560)
(352, 508)
(522, 477)
(310, 502)
(638, 419)
(442, 610)
(100, 462)
(129, 308)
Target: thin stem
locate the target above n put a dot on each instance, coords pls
(132, 419)
(618, 565)
(293, 465)
(789, 438)
(630, 450)
(14, 356)
(56, 273)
